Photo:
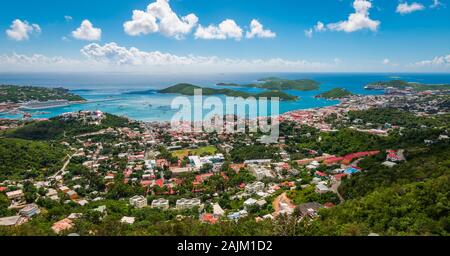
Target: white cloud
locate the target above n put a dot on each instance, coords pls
(436, 4)
(309, 33)
(319, 27)
(226, 29)
(388, 62)
(257, 30)
(68, 18)
(405, 8)
(87, 32)
(124, 58)
(142, 23)
(159, 17)
(358, 20)
(439, 61)
(21, 30)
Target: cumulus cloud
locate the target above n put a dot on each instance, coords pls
(319, 27)
(159, 17)
(226, 29)
(257, 30)
(358, 20)
(439, 61)
(405, 8)
(68, 18)
(87, 32)
(21, 30)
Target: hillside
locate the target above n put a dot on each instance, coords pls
(17, 94)
(400, 84)
(22, 159)
(336, 93)
(58, 127)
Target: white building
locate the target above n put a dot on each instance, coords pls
(160, 203)
(138, 201)
(322, 188)
(254, 187)
(259, 172)
(187, 203)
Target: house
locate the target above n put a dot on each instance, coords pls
(62, 225)
(395, 156)
(72, 194)
(250, 202)
(261, 202)
(309, 209)
(254, 187)
(389, 164)
(217, 210)
(15, 195)
(322, 188)
(12, 220)
(184, 203)
(352, 170)
(29, 211)
(160, 203)
(138, 201)
(209, 218)
(127, 220)
(259, 172)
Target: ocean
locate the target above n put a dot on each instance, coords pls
(135, 95)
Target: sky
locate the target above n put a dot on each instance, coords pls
(204, 36)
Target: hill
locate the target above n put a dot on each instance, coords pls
(336, 93)
(22, 159)
(188, 89)
(58, 127)
(17, 94)
(400, 84)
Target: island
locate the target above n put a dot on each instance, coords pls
(228, 84)
(278, 84)
(188, 90)
(16, 99)
(402, 85)
(336, 93)
(21, 94)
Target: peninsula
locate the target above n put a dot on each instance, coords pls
(188, 89)
(336, 93)
(402, 85)
(275, 83)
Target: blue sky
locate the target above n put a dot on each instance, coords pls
(385, 35)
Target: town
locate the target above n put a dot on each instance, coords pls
(129, 169)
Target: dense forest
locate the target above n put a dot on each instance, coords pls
(21, 159)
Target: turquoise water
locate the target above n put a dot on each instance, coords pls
(132, 95)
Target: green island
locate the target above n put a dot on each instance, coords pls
(336, 93)
(275, 83)
(19, 94)
(188, 89)
(400, 84)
